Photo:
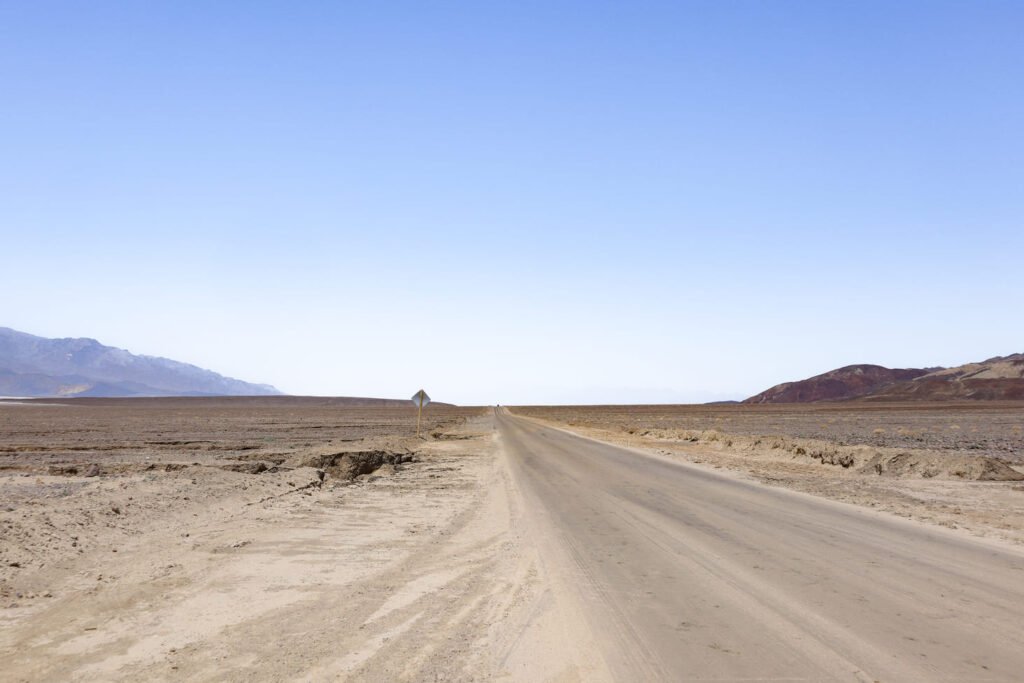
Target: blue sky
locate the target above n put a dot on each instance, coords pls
(518, 202)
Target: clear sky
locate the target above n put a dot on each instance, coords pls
(517, 202)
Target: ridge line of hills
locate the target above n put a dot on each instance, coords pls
(996, 379)
(33, 366)
(84, 369)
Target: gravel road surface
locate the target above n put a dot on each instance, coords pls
(684, 573)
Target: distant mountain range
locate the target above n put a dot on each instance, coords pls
(999, 378)
(37, 366)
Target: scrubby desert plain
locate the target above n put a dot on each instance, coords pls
(280, 538)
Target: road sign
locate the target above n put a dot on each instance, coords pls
(419, 399)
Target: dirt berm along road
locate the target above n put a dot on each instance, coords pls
(682, 573)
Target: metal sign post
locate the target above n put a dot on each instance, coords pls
(419, 399)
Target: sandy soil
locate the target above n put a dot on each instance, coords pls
(167, 564)
(932, 454)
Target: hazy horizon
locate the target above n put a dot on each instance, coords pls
(517, 203)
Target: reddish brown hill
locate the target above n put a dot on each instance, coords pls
(852, 381)
(996, 379)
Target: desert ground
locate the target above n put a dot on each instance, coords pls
(263, 539)
(305, 539)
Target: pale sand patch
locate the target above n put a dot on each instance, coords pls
(427, 573)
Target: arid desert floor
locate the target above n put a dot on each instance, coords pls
(300, 539)
(227, 540)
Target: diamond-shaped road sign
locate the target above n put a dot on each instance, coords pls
(419, 400)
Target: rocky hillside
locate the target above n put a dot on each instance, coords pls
(999, 378)
(37, 366)
(852, 381)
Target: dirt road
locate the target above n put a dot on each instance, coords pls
(686, 574)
